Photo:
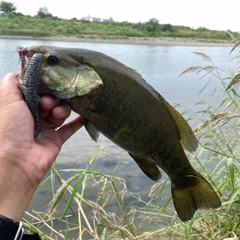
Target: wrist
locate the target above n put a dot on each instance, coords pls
(12, 203)
(15, 189)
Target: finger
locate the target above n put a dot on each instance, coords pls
(59, 114)
(62, 111)
(46, 104)
(68, 129)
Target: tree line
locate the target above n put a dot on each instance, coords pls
(45, 24)
(8, 7)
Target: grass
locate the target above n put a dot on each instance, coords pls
(218, 132)
(17, 24)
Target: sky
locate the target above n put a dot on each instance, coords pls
(212, 14)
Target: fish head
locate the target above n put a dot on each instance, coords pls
(62, 73)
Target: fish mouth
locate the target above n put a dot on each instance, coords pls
(42, 87)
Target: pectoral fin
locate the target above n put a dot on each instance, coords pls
(92, 131)
(149, 168)
(187, 137)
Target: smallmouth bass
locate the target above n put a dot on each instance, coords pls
(115, 100)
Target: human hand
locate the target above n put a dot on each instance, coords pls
(25, 160)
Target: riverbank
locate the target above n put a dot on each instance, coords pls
(134, 40)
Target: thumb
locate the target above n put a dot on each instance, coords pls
(10, 88)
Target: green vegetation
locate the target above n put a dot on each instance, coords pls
(46, 25)
(7, 7)
(217, 129)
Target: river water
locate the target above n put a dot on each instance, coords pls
(160, 66)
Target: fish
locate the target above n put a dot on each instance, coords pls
(116, 101)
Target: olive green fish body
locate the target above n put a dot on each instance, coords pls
(127, 110)
(116, 101)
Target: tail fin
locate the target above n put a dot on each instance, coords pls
(195, 196)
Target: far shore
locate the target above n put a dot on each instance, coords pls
(134, 40)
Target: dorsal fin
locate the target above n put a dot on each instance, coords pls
(187, 137)
(135, 71)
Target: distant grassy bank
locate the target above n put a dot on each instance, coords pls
(151, 32)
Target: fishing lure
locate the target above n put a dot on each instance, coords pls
(29, 86)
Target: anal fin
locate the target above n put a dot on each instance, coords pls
(149, 168)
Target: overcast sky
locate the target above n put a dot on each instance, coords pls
(212, 14)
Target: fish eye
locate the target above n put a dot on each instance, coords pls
(53, 60)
